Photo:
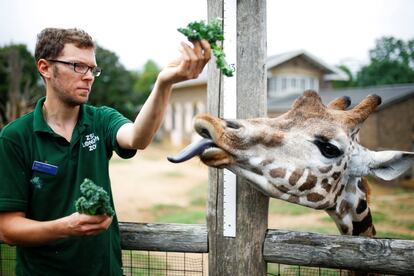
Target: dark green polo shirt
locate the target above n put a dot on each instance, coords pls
(44, 195)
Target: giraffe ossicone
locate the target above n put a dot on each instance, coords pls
(309, 156)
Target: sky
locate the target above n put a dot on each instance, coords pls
(336, 31)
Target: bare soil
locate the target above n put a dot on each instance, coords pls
(149, 179)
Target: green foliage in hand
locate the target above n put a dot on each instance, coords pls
(213, 33)
(94, 200)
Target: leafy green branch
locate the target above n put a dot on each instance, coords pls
(213, 33)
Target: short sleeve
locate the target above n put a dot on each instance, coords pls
(114, 121)
(14, 177)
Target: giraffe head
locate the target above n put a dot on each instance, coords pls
(309, 155)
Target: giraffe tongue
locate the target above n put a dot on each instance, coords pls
(192, 150)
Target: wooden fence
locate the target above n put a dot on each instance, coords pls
(386, 256)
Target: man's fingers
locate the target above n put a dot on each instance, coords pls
(96, 228)
(81, 224)
(203, 51)
(88, 219)
(190, 64)
(194, 59)
(197, 49)
(190, 58)
(206, 49)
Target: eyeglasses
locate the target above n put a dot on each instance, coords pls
(80, 68)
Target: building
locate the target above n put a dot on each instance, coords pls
(390, 127)
(289, 74)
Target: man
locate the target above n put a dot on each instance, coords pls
(47, 154)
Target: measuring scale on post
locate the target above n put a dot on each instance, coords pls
(230, 112)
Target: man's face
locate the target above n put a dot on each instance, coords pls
(71, 87)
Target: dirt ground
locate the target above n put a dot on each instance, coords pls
(149, 179)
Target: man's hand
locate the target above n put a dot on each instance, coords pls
(189, 65)
(86, 225)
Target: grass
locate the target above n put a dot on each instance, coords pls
(277, 206)
(139, 263)
(393, 214)
(278, 269)
(393, 218)
(192, 214)
(379, 217)
(199, 195)
(7, 260)
(164, 213)
(394, 235)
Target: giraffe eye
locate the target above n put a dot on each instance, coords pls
(327, 149)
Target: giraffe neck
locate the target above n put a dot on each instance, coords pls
(345, 198)
(351, 212)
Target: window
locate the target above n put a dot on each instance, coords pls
(287, 84)
(272, 86)
(311, 83)
(293, 83)
(302, 83)
(284, 84)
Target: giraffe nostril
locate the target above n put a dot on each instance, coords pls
(232, 124)
(347, 100)
(205, 133)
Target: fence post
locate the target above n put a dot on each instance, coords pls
(242, 255)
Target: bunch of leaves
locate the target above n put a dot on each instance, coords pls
(213, 33)
(94, 200)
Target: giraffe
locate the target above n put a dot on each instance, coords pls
(309, 156)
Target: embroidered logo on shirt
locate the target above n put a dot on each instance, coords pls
(37, 182)
(90, 141)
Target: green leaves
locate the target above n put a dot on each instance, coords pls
(213, 33)
(114, 87)
(94, 200)
(200, 30)
(392, 61)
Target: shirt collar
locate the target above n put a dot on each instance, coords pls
(39, 122)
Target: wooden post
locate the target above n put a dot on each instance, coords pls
(242, 255)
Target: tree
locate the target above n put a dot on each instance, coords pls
(391, 61)
(20, 83)
(392, 49)
(114, 87)
(145, 81)
(344, 84)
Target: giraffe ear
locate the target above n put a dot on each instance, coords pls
(389, 165)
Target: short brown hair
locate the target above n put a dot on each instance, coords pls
(51, 41)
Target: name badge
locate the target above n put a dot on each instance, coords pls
(44, 168)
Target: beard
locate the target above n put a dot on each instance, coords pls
(63, 94)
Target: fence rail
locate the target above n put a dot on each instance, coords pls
(190, 238)
(387, 256)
